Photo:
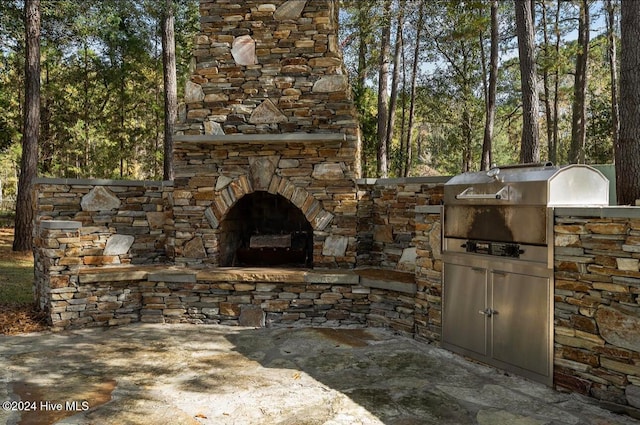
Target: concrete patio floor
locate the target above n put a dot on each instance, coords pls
(197, 374)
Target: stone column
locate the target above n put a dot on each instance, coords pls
(56, 276)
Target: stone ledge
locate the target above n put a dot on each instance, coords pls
(403, 180)
(103, 182)
(214, 139)
(371, 277)
(598, 212)
(428, 209)
(59, 224)
(251, 274)
(117, 273)
(390, 280)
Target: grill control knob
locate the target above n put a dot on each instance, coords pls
(512, 250)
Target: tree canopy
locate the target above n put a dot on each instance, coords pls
(421, 72)
(102, 86)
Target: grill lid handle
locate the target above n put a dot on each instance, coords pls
(494, 173)
(503, 193)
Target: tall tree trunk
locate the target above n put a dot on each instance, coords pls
(383, 95)
(170, 86)
(122, 119)
(579, 107)
(467, 126)
(530, 142)
(628, 148)
(403, 118)
(414, 80)
(85, 112)
(556, 84)
(363, 49)
(46, 144)
(613, 69)
(23, 238)
(395, 79)
(491, 94)
(551, 151)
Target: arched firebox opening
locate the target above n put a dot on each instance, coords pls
(263, 229)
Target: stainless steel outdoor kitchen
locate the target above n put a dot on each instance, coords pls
(498, 261)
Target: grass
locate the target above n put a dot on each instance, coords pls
(6, 218)
(18, 312)
(16, 272)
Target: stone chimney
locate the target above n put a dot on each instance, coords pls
(268, 67)
(267, 153)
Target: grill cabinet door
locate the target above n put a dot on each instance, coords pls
(521, 324)
(465, 296)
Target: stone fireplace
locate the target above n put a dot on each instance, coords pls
(267, 151)
(266, 163)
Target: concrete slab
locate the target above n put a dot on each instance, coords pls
(197, 374)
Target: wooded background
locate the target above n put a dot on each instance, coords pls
(442, 87)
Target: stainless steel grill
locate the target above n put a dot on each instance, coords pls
(498, 261)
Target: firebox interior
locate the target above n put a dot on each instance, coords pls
(263, 229)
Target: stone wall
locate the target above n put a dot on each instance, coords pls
(256, 298)
(102, 249)
(69, 291)
(122, 221)
(386, 219)
(428, 274)
(597, 305)
(91, 224)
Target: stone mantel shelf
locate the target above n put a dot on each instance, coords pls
(259, 139)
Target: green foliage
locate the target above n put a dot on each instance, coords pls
(102, 84)
(366, 102)
(450, 98)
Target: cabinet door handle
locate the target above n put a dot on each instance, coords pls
(488, 312)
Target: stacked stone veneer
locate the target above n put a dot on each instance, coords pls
(387, 220)
(597, 305)
(269, 67)
(89, 225)
(428, 273)
(255, 298)
(597, 279)
(268, 108)
(311, 173)
(101, 245)
(121, 221)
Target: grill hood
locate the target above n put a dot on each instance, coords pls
(530, 184)
(509, 204)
